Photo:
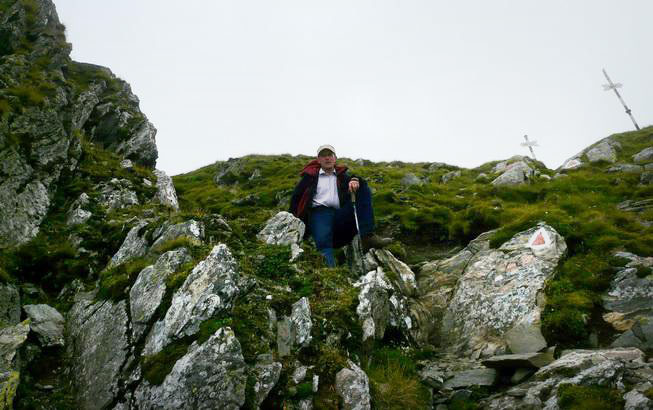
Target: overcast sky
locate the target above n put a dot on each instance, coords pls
(459, 82)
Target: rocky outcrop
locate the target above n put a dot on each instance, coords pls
(209, 289)
(117, 194)
(645, 155)
(353, 387)
(266, 372)
(98, 344)
(514, 174)
(47, 323)
(9, 305)
(11, 339)
(613, 370)
(295, 330)
(629, 302)
(191, 230)
(498, 293)
(166, 193)
(134, 246)
(147, 292)
(209, 376)
(77, 214)
(604, 151)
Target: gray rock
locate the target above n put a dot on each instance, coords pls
(525, 337)
(499, 290)
(411, 180)
(117, 194)
(449, 176)
(255, 175)
(134, 246)
(602, 151)
(352, 385)
(229, 172)
(520, 375)
(635, 206)
(192, 230)
(77, 214)
(282, 229)
(301, 322)
(646, 178)
(9, 381)
(9, 305)
(11, 339)
(515, 174)
(147, 292)
(402, 276)
(141, 146)
(637, 401)
(474, 377)
(47, 323)
(644, 155)
(98, 345)
(210, 376)
(374, 304)
(626, 168)
(285, 336)
(209, 289)
(166, 193)
(523, 360)
(267, 374)
(299, 374)
(432, 376)
(482, 177)
(571, 163)
(127, 164)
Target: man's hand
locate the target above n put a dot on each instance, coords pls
(353, 185)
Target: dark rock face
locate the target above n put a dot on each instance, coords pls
(48, 104)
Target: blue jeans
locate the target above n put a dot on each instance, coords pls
(333, 228)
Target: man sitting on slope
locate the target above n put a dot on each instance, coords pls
(322, 200)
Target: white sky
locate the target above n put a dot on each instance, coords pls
(459, 82)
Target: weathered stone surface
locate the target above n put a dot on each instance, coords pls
(602, 151)
(474, 377)
(499, 290)
(209, 289)
(609, 368)
(191, 229)
(374, 304)
(77, 214)
(449, 176)
(147, 292)
(266, 372)
(11, 339)
(47, 323)
(635, 206)
(285, 336)
(134, 246)
(8, 385)
(166, 193)
(572, 163)
(301, 322)
(645, 155)
(353, 388)
(210, 376)
(646, 178)
(141, 146)
(627, 168)
(400, 274)
(629, 303)
(282, 229)
(635, 400)
(436, 285)
(526, 336)
(127, 164)
(97, 340)
(229, 172)
(515, 174)
(117, 194)
(9, 305)
(523, 360)
(410, 180)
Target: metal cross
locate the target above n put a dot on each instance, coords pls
(614, 86)
(530, 145)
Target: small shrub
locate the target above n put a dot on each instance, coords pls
(575, 397)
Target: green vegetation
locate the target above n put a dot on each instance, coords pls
(575, 397)
(156, 367)
(394, 382)
(116, 282)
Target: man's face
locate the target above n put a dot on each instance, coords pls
(327, 160)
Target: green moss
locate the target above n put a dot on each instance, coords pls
(643, 271)
(304, 391)
(649, 393)
(210, 326)
(272, 262)
(575, 397)
(156, 367)
(8, 392)
(115, 282)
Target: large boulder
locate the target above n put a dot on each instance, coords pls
(98, 345)
(209, 289)
(134, 246)
(11, 339)
(192, 230)
(602, 151)
(629, 302)
(47, 323)
(266, 372)
(498, 294)
(645, 155)
(209, 376)
(147, 292)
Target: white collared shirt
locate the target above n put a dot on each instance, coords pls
(327, 190)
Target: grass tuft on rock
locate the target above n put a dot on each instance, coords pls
(576, 397)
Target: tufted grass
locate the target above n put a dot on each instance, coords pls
(576, 397)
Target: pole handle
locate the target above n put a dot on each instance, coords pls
(353, 196)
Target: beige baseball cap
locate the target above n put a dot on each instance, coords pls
(326, 146)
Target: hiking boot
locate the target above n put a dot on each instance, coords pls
(373, 241)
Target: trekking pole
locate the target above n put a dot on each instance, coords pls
(357, 244)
